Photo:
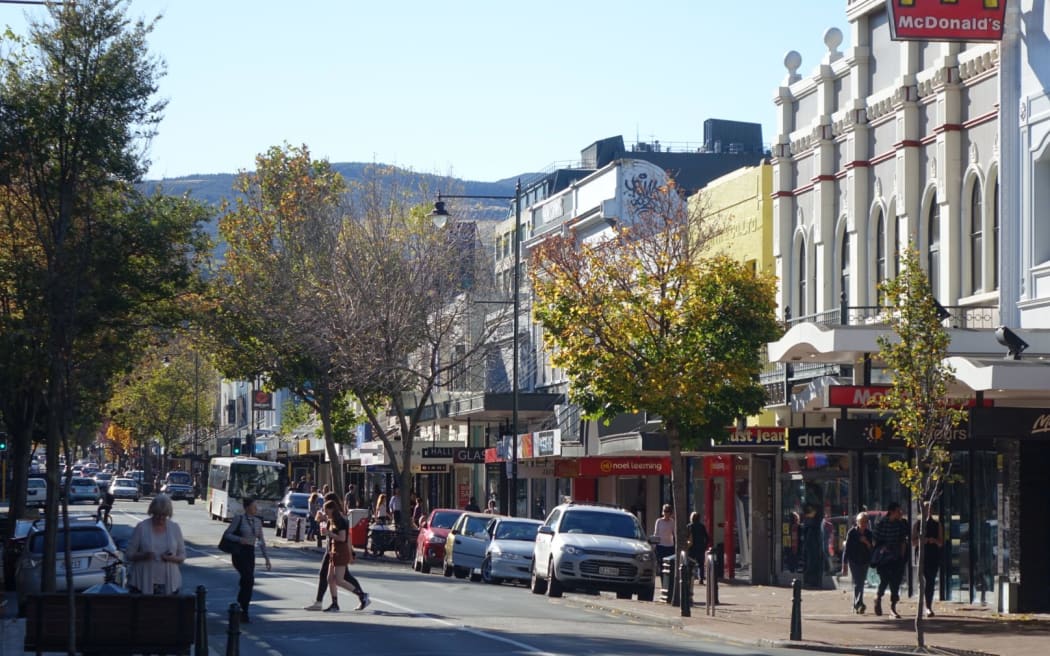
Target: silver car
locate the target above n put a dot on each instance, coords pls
(508, 556)
(125, 488)
(82, 488)
(593, 548)
(92, 549)
(36, 492)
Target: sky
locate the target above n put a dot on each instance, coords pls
(481, 90)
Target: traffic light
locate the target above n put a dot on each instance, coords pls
(3, 441)
(235, 446)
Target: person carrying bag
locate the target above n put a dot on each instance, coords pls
(246, 529)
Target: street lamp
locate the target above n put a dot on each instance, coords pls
(440, 217)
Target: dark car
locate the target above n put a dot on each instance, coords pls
(178, 485)
(13, 550)
(294, 504)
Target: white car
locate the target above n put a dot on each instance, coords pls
(36, 492)
(125, 488)
(509, 552)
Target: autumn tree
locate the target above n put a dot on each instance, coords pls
(641, 321)
(86, 259)
(920, 412)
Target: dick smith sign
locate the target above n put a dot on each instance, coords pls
(809, 439)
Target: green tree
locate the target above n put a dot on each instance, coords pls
(86, 259)
(642, 322)
(920, 411)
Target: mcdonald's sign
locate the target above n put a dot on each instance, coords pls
(946, 20)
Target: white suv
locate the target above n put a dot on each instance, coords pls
(593, 548)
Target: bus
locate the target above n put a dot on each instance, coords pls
(231, 479)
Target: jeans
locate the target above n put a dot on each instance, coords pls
(322, 582)
(859, 572)
(890, 575)
(244, 563)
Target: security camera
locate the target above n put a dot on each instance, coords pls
(1014, 344)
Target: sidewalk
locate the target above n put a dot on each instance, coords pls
(761, 616)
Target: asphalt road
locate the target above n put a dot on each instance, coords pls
(410, 614)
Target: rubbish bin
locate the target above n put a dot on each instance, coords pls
(668, 574)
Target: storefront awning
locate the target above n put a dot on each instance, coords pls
(1019, 381)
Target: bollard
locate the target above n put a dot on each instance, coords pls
(685, 583)
(201, 639)
(712, 583)
(796, 609)
(233, 633)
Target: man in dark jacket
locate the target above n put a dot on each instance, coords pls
(890, 556)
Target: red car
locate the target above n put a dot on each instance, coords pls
(430, 545)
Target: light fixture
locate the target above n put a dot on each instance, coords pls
(1014, 344)
(942, 313)
(440, 215)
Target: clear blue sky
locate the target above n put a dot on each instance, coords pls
(481, 90)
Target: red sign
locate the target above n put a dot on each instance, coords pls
(947, 20)
(855, 396)
(638, 466)
(262, 400)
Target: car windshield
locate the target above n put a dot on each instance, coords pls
(444, 519)
(36, 482)
(83, 481)
(299, 500)
(83, 539)
(475, 525)
(601, 523)
(517, 531)
(124, 482)
(179, 478)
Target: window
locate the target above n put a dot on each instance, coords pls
(976, 239)
(995, 236)
(844, 273)
(801, 280)
(880, 255)
(933, 257)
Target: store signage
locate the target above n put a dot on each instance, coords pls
(262, 400)
(810, 439)
(548, 443)
(639, 466)
(754, 436)
(429, 468)
(1023, 423)
(437, 452)
(855, 396)
(470, 455)
(946, 20)
(877, 434)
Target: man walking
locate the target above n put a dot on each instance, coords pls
(890, 556)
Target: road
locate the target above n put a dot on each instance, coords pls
(411, 613)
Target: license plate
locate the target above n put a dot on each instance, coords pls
(609, 571)
(79, 563)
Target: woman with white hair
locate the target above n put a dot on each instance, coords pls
(859, 543)
(156, 550)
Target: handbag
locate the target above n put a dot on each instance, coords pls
(228, 543)
(883, 555)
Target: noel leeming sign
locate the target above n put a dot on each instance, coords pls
(947, 20)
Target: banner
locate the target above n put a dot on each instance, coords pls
(946, 20)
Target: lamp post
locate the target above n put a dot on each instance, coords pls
(440, 216)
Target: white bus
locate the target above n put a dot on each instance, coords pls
(231, 479)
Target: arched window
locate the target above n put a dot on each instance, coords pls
(802, 279)
(844, 272)
(995, 236)
(976, 239)
(933, 257)
(880, 255)
(896, 248)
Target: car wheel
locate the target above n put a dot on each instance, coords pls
(645, 593)
(460, 572)
(486, 572)
(424, 566)
(554, 586)
(190, 501)
(537, 585)
(447, 570)
(623, 594)
(475, 577)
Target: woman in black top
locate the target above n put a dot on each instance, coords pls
(932, 544)
(859, 543)
(322, 582)
(697, 542)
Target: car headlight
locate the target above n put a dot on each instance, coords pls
(437, 540)
(571, 549)
(644, 557)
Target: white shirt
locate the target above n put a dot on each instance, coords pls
(664, 530)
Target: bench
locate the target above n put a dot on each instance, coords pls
(112, 623)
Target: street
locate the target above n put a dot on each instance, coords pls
(411, 613)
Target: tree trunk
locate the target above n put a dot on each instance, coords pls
(335, 463)
(920, 630)
(679, 496)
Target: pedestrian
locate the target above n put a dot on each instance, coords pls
(350, 500)
(812, 537)
(890, 555)
(417, 510)
(472, 505)
(326, 565)
(304, 484)
(491, 508)
(698, 540)
(155, 551)
(932, 545)
(340, 555)
(664, 531)
(395, 505)
(313, 517)
(247, 529)
(382, 513)
(859, 543)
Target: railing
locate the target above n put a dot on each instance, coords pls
(952, 316)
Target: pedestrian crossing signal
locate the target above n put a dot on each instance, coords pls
(235, 446)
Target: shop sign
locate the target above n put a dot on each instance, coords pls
(429, 468)
(754, 436)
(718, 466)
(1024, 423)
(876, 434)
(951, 20)
(810, 439)
(470, 455)
(855, 396)
(436, 452)
(262, 400)
(548, 443)
(625, 466)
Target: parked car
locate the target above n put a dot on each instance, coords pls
(139, 477)
(465, 545)
(294, 504)
(508, 555)
(178, 485)
(13, 549)
(82, 488)
(92, 549)
(36, 492)
(593, 548)
(103, 479)
(433, 531)
(125, 488)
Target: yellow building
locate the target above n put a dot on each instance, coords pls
(741, 204)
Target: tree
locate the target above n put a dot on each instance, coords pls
(86, 259)
(921, 414)
(642, 322)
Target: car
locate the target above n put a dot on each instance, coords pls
(139, 477)
(36, 492)
(294, 504)
(125, 488)
(508, 555)
(92, 549)
(13, 549)
(593, 548)
(178, 485)
(103, 479)
(465, 545)
(82, 489)
(430, 544)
